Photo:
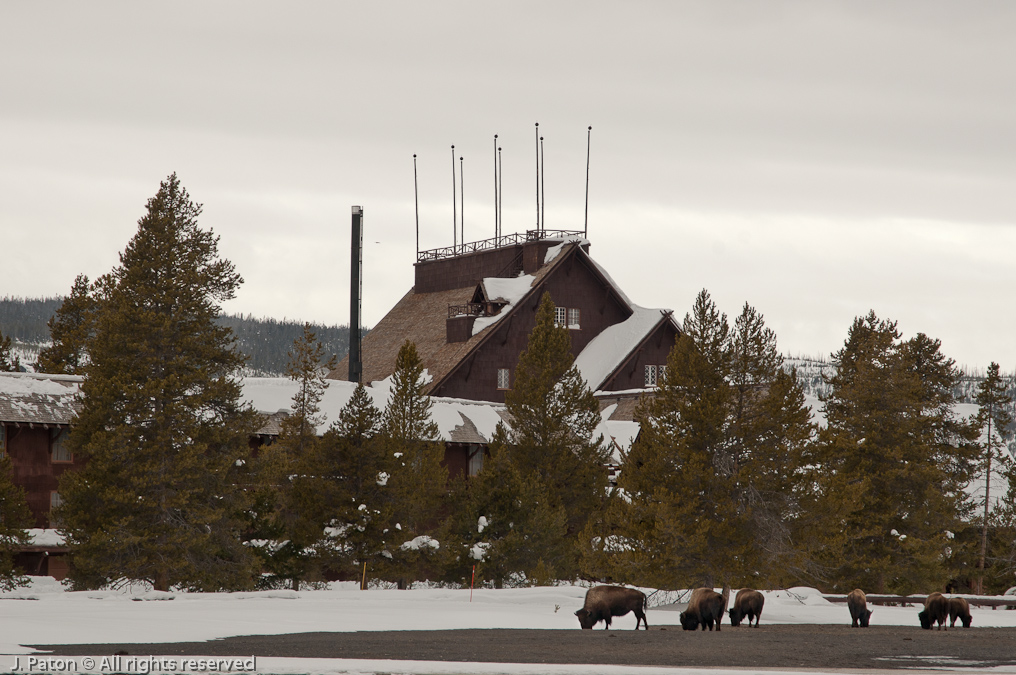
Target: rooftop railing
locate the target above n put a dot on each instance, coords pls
(494, 242)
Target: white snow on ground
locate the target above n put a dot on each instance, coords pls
(45, 613)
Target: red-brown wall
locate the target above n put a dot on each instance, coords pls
(30, 453)
(653, 351)
(573, 284)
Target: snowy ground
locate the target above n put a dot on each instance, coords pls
(46, 613)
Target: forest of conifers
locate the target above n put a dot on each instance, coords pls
(265, 341)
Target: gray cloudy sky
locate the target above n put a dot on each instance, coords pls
(814, 159)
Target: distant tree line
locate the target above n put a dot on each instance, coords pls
(265, 341)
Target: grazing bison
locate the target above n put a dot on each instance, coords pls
(857, 603)
(936, 609)
(605, 602)
(748, 603)
(959, 608)
(705, 607)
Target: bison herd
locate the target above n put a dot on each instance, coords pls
(705, 608)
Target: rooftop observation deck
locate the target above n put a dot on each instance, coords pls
(503, 241)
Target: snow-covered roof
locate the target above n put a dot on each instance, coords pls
(619, 434)
(611, 347)
(503, 290)
(458, 420)
(34, 398)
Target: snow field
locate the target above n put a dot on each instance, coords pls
(46, 613)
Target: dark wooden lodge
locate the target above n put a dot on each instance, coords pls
(473, 307)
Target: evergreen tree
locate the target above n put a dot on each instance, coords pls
(283, 524)
(768, 432)
(349, 493)
(550, 447)
(419, 481)
(513, 531)
(891, 464)
(994, 421)
(711, 485)
(69, 330)
(161, 424)
(9, 362)
(15, 518)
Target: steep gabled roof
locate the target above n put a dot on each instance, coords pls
(614, 346)
(421, 317)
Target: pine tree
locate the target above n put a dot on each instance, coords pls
(712, 484)
(349, 493)
(69, 331)
(768, 432)
(511, 528)
(161, 424)
(890, 465)
(551, 440)
(994, 420)
(419, 481)
(15, 518)
(283, 522)
(9, 362)
(677, 520)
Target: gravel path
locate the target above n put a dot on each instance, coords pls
(772, 646)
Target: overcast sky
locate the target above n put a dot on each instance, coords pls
(816, 160)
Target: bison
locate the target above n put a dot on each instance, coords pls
(605, 602)
(936, 609)
(705, 607)
(857, 603)
(748, 603)
(959, 608)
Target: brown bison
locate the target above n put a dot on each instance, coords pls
(748, 603)
(936, 609)
(857, 603)
(705, 607)
(605, 602)
(959, 608)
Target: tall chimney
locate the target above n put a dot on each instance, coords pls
(356, 296)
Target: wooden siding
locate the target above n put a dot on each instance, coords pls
(34, 471)
(572, 284)
(653, 351)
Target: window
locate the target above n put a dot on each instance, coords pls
(60, 452)
(475, 460)
(55, 501)
(661, 374)
(650, 376)
(503, 378)
(560, 316)
(567, 316)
